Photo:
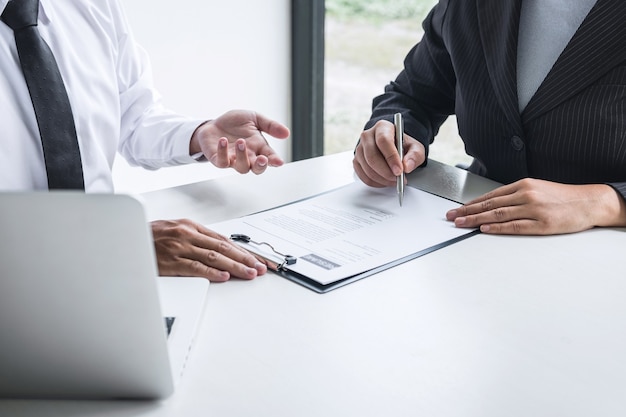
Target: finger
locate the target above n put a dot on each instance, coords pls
(370, 158)
(260, 164)
(368, 175)
(221, 159)
(258, 145)
(414, 154)
(209, 239)
(515, 227)
(501, 191)
(471, 209)
(272, 127)
(226, 258)
(194, 268)
(497, 215)
(384, 157)
(363, 176)
(242, 162)
(274, 160)
(486, 203)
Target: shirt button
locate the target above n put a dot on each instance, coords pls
(517, 143)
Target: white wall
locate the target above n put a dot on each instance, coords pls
(208, 57)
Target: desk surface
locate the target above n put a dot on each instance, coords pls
(488, 327)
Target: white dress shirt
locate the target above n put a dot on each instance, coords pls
(109, 84)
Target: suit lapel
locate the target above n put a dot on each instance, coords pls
(498, 21)
(598, 45)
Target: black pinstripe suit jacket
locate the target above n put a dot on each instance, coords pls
(572, 131)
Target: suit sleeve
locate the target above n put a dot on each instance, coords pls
(620, 187)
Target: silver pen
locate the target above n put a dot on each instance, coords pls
(399, 126)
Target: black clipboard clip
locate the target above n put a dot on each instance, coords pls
(276, 266)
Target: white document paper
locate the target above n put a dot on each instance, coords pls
(347, 231)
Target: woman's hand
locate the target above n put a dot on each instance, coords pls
(376, 159)
(538, 207)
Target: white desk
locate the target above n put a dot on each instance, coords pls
(488, 327)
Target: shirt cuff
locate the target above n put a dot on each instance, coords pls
(199, 157)
(181, 145)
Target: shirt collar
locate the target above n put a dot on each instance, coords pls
(43, 15)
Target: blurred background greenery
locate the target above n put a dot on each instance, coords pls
(378, 9)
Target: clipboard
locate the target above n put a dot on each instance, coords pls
(332, 239)
(279, 263)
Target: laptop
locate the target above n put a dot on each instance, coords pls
(83, 314)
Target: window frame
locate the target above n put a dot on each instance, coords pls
(307, 78)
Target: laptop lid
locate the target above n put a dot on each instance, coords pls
(80, 313)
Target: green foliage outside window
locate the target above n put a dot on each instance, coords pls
(378, 9)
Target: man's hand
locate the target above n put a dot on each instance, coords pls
(538, 207)
(184, 248)
(235, 140)
(376, 159)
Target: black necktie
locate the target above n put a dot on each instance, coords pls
(49, 97)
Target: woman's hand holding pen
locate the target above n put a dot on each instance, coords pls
(376, 159)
